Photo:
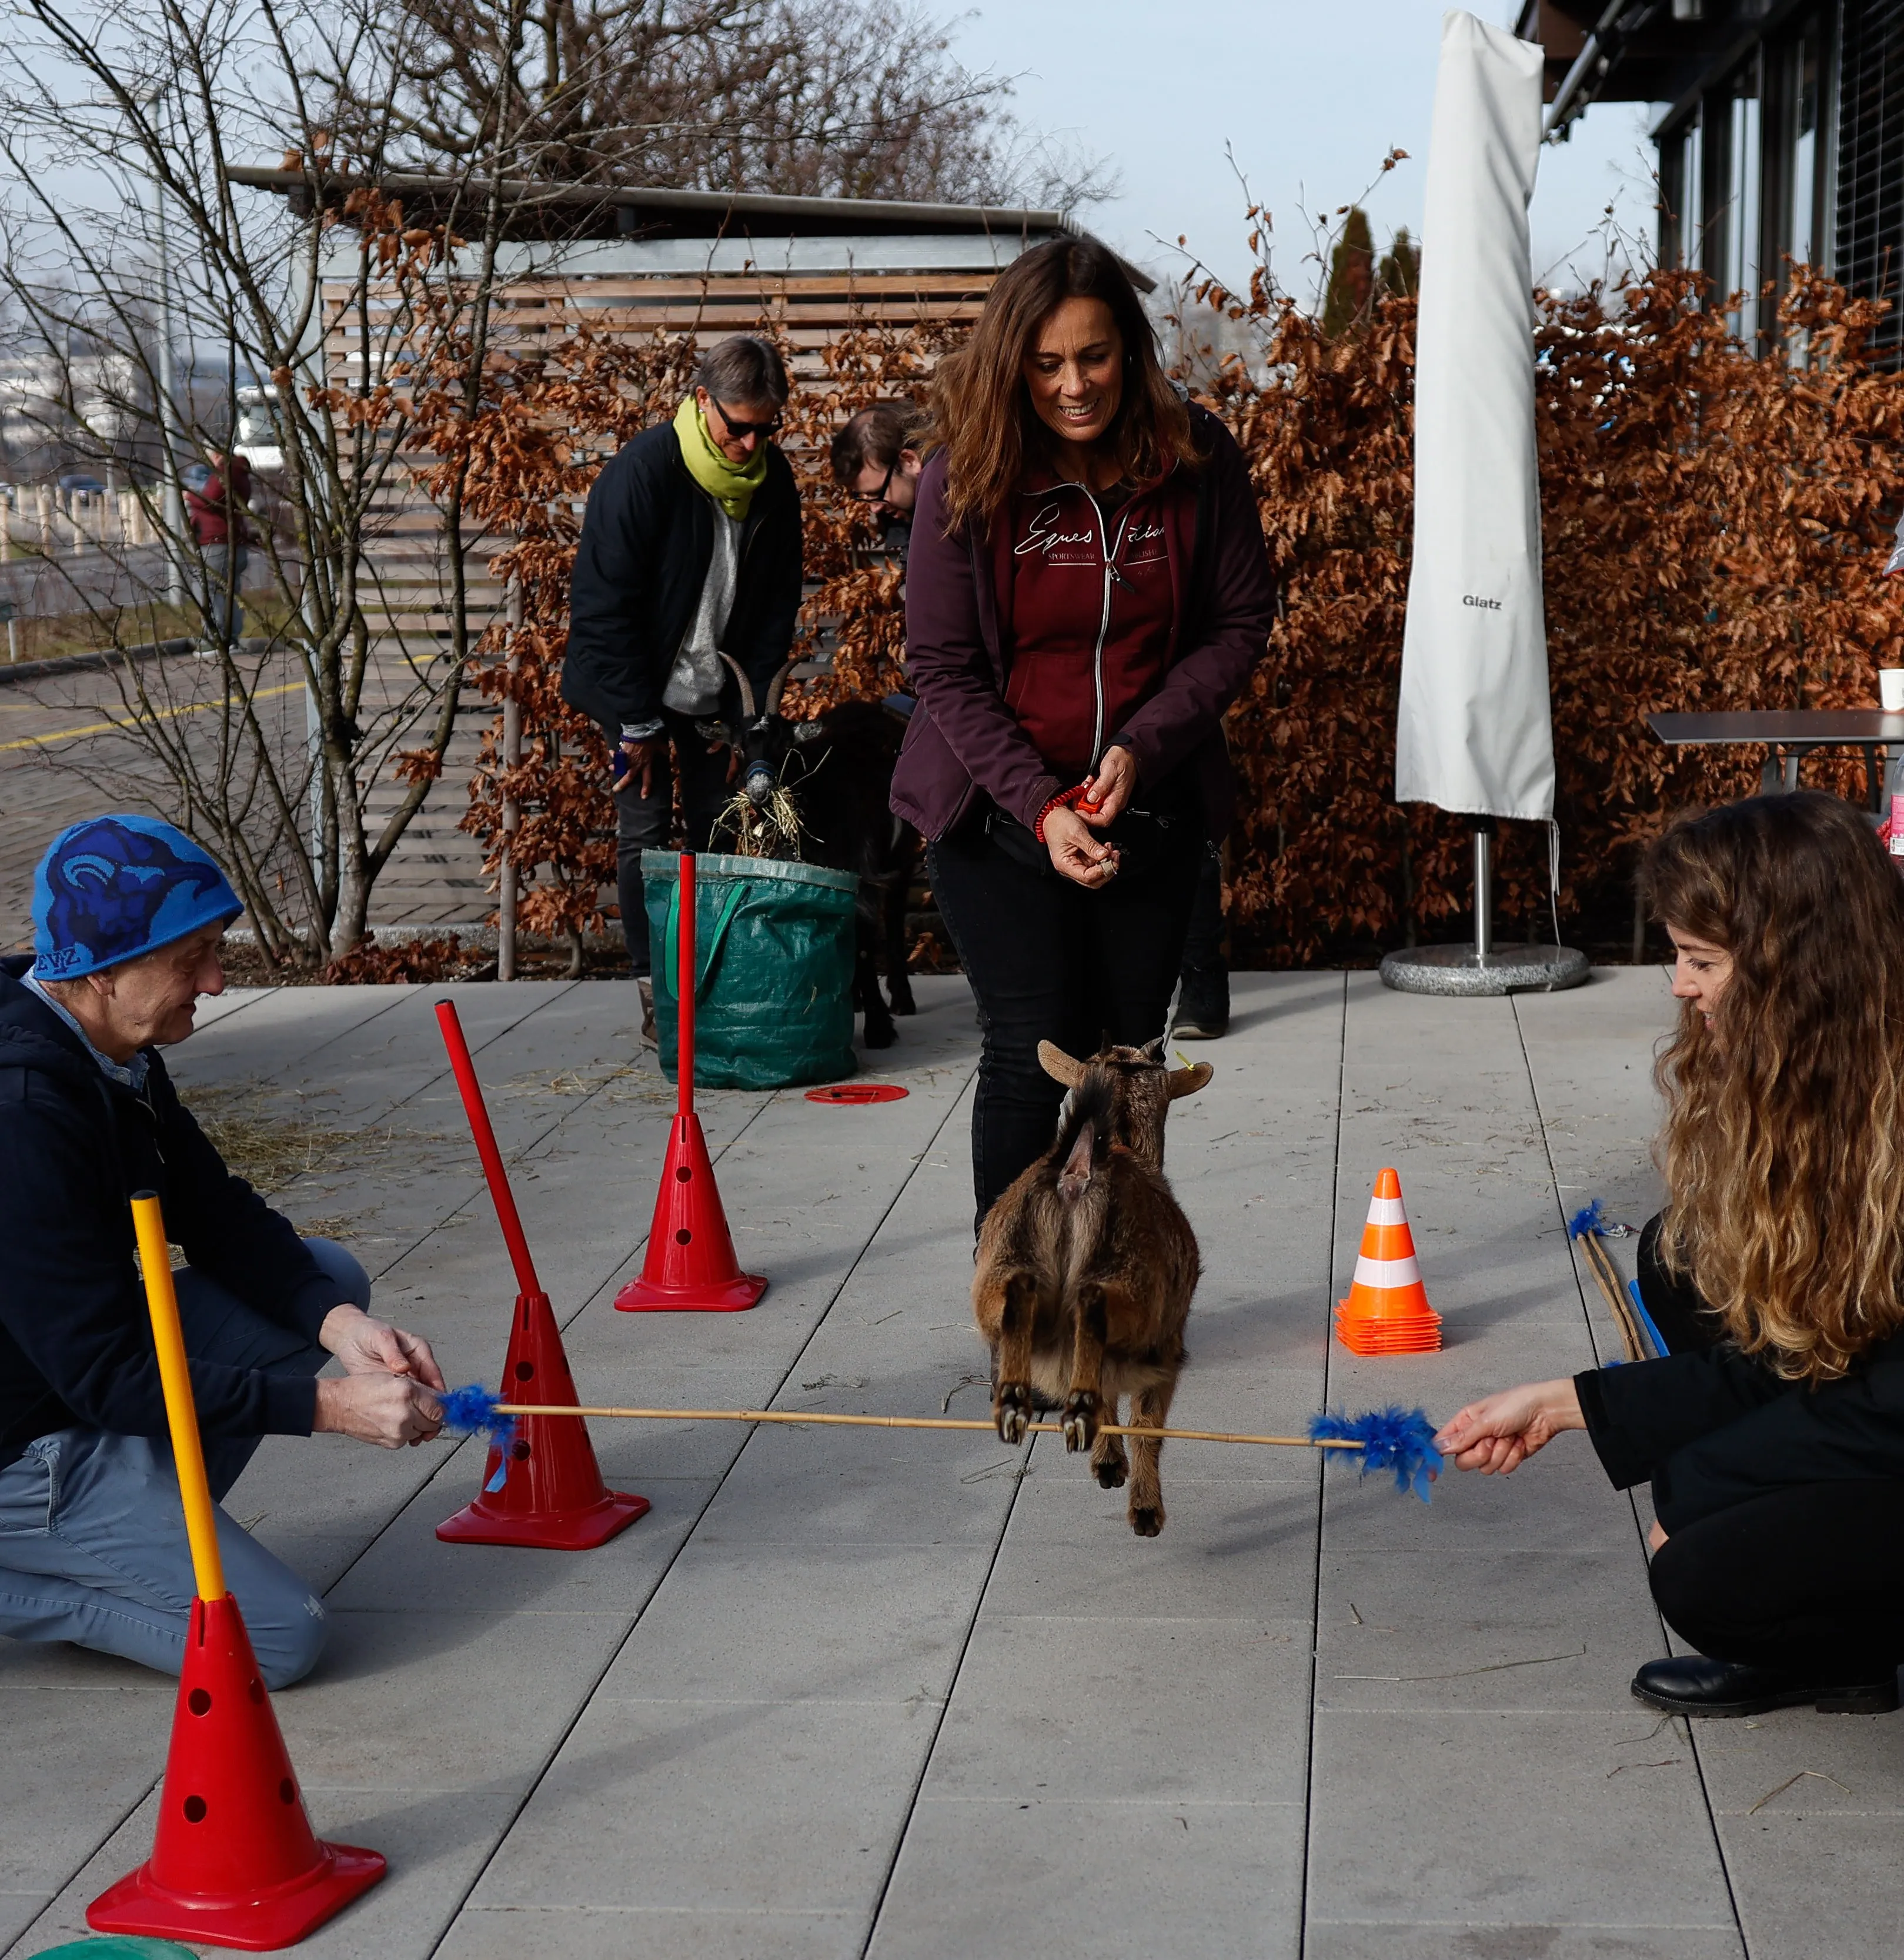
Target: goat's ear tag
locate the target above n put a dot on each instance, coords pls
(1058, 1065)
(1187, 1081)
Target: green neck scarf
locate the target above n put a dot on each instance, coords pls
(731, 485)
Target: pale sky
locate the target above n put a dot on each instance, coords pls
(1309, 96)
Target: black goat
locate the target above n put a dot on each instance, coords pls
(837, 769)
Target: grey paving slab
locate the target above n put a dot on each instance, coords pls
(1507, 1816)
(1087, 1879)
(587, 1932)
(1489, 1802)
(1073, 1708)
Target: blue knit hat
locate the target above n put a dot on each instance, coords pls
(114, 887)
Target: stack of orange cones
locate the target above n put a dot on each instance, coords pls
(1387, 1312)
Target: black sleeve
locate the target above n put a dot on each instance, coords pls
(231, 1234)
(1638, 1414)
(610, 601)
(71, 1301)
(1850, 1428)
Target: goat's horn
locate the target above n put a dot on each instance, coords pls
(775, 688)
(746, 687)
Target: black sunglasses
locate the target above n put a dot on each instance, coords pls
(740, 429)
(878, 496)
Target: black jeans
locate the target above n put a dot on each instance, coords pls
(1049, 961)
(1203, 947)
(641, 822)
(1809, 1578)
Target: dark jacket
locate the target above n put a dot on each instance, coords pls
(75, 1340)
(964, 742)
(647, 539)
(1710, 1430)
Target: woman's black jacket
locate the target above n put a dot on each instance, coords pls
(1712, 1430)
(647, 539)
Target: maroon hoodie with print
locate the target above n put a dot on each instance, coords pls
(1070, 626)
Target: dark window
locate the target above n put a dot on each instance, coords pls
(1871, 159)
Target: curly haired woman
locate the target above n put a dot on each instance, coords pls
(1087, 591)
(1773, 1433)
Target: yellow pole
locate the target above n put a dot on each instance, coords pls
(188, 1454)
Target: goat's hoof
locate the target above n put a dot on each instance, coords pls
(1081, 1407)
(1110, 1471)
(881, 1034)
(1012, 1411)
(1145, 1520)
(902, 1001)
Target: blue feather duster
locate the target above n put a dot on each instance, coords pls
(1588, 1218)
(1399, 1440)
(472, 1409)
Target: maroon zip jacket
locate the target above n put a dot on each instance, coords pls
(964, 739)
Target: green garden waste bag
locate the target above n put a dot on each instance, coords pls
(774, 951)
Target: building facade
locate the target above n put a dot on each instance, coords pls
(1781, 135)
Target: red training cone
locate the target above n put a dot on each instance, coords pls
(547, 1491)
(690, 1267)
(235, 1863)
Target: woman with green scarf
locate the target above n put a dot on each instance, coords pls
(690, 549)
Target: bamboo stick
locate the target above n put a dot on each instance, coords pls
(919, 1422)
(1600, 1260)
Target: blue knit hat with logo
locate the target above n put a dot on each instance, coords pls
(114, 887)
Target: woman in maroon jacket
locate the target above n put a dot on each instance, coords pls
(1087, 589)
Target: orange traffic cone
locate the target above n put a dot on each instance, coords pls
(1387, 1312)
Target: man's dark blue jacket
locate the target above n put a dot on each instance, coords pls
(75, 1342)
(647, 539)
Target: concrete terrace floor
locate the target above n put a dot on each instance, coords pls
(909, 1694)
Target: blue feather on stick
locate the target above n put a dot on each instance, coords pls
(471, 1410)
(1588, 1218)
(1395, 1438)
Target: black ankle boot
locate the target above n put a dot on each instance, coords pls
(1694, 1686)
(1202, 1004)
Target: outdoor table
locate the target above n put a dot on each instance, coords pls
(1796, 732)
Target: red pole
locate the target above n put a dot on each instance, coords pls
(492, 1159)
(685, 994)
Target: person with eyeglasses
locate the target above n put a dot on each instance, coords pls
(689, 550)
(877, 458)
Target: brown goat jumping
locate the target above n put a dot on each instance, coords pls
(1086, 1266)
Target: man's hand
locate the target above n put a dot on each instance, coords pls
(1499, 1434)
(639, 760)
(1109, 792)
(388, 1410)
(367, 1346)
(1077, 852)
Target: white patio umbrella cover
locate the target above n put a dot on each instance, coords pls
(1475, 732)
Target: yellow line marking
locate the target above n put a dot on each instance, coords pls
(162, 714)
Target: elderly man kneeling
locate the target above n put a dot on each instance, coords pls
(127, 914)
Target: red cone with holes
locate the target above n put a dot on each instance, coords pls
(546, 1488)
(690, 1267)
(235, 1862)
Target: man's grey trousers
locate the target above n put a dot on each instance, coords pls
(92, 1530)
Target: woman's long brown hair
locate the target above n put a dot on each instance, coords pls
(1783, 1150)
(982, 416)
